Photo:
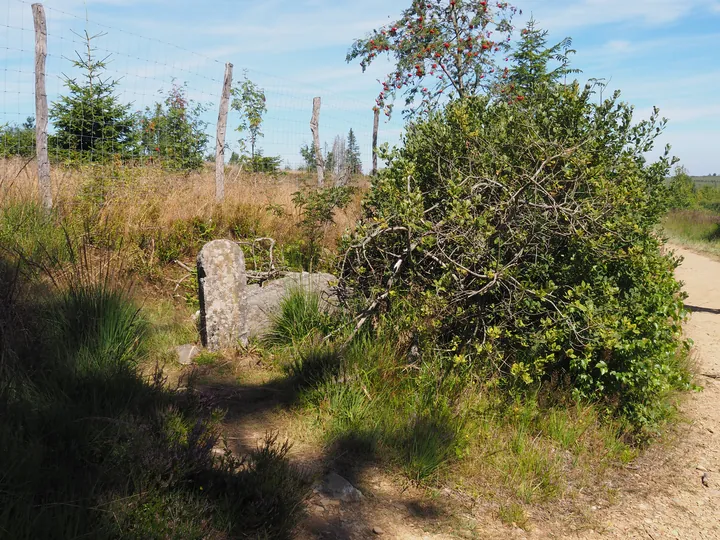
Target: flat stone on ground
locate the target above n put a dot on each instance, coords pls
(186, 353)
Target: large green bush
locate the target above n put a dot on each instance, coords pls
(516, 238)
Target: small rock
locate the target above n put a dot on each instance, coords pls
(378, 531)
(186, 353)
(336, 487)
(705, 479)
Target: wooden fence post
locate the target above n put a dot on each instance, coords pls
(41, 108)
(221, 131)
(315, 128)
(376, 122)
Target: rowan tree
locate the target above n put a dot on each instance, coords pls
(249, 101)
(441, 48)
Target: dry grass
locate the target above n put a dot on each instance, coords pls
(145, 202)
(697, 229)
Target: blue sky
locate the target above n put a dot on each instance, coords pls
(657, 52)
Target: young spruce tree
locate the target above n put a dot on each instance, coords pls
(352, 160)
(90, 121)
(533, 62)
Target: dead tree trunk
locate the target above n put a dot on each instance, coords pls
(41, 107)
(315, 128)
(221, 131)
(376, 123)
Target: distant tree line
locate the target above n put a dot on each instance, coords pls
(342, 161)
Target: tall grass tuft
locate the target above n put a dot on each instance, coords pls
(300, 317)
(378, 400)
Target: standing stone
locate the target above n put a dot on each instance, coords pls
(221, 283)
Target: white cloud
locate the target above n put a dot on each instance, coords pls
(585, 13)
(681, 113)
(618, 46)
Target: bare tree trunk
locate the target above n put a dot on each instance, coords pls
(221, 131)
(376, 123)
(41, 107)
(315, 128)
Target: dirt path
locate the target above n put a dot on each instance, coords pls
(665, 497)
(660, 496)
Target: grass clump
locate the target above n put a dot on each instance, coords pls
(301, 317)
(376, 399)
(513, 514)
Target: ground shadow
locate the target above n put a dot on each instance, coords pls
(250, 410)
(89, 446)
(699, 309)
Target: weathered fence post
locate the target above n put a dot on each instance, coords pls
(315, 128)
(221, 130)
(376, 122)
(41, 107)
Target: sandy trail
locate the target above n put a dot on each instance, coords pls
(665, 497)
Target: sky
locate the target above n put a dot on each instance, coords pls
(663, 53)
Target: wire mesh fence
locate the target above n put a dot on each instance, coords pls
(120, 96)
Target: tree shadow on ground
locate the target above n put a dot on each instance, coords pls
(88, 446)
(699, 309)
(354, 455)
